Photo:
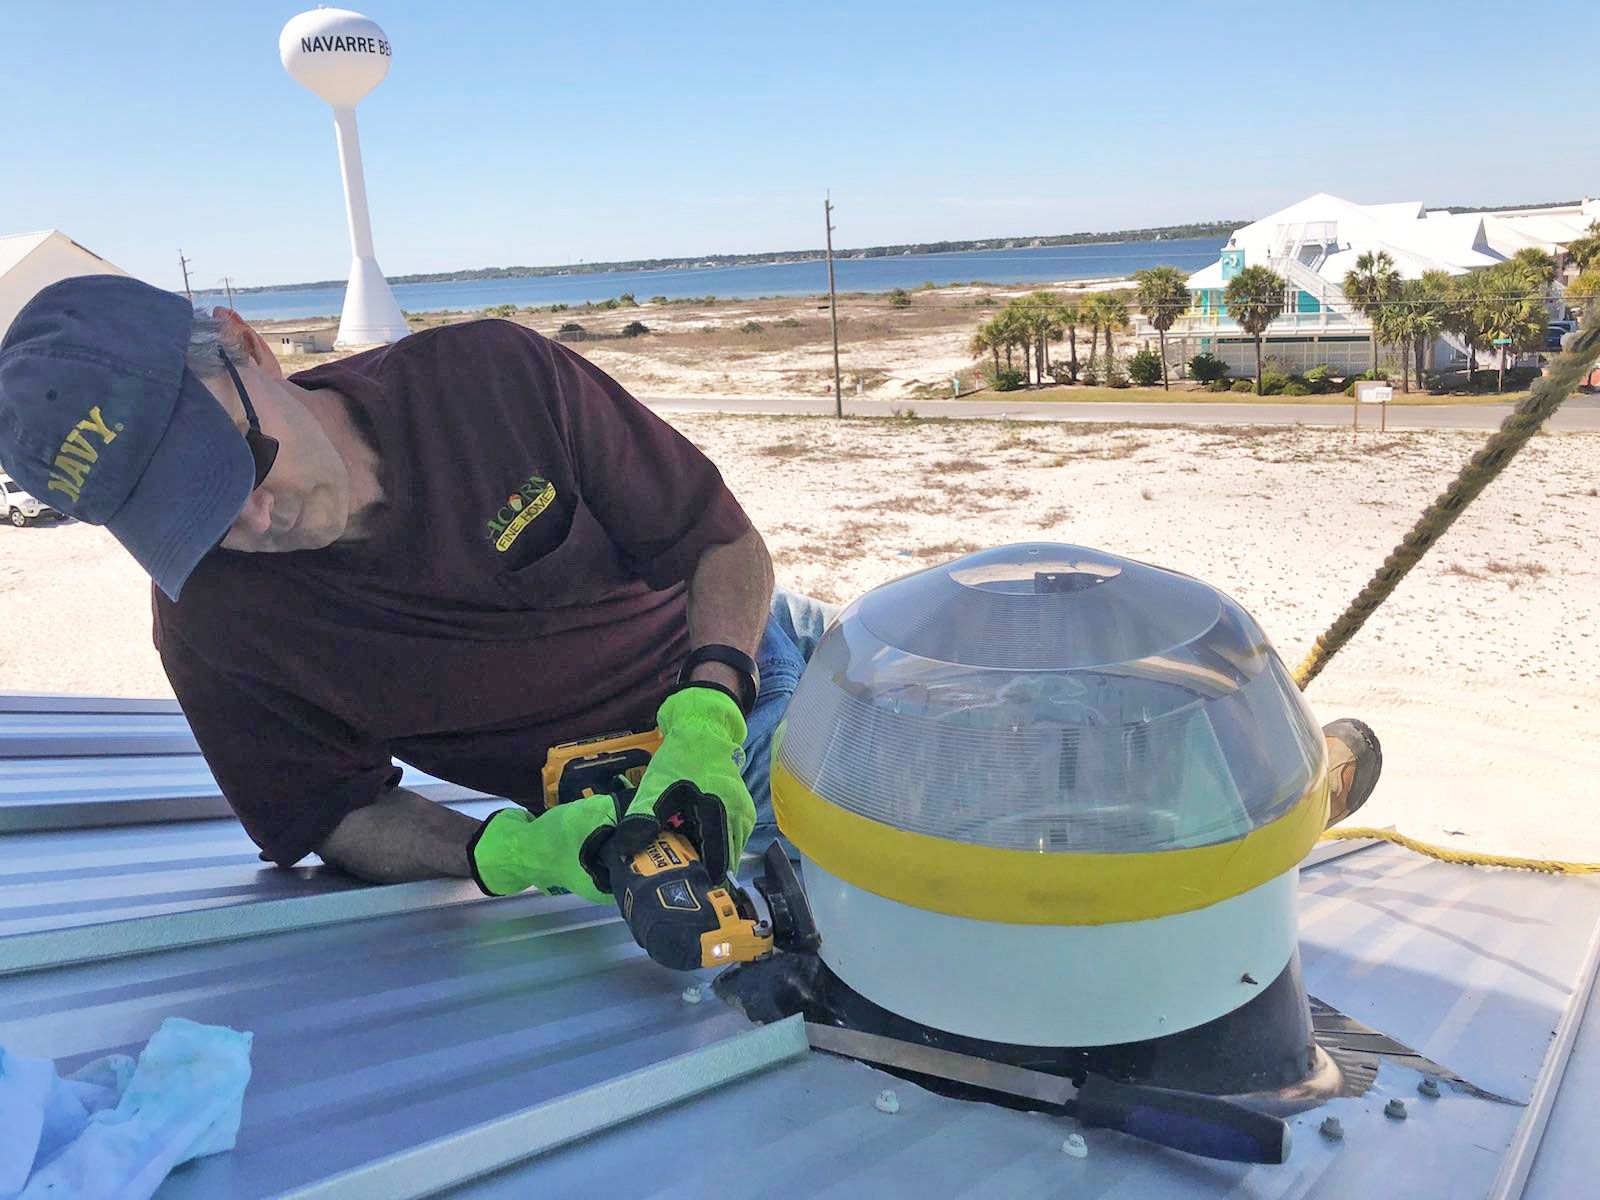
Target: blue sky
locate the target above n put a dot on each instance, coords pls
(550, 132)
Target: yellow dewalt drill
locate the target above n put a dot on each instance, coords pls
(678, 915)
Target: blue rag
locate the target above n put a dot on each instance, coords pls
(115, 1129)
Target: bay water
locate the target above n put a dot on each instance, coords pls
(1020, 265)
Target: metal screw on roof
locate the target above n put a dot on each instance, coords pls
(887, 1102)
(692, 994)
(1395, 1108)
(1332, 1128)
(1075, 1146)
(1429, 1087)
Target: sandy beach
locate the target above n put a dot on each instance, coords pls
(1480, 674)
(779, 346)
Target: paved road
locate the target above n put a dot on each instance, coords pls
(1580, 413)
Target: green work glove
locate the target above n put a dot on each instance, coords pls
(693, 785)
(515, 850)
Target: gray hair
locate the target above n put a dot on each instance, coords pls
(207, 336)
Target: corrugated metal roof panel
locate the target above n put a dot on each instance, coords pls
(73, 793)
(450, 1022)
(1568, 1163)
(810, 1130)
(374, 1036)
(1477, 965)
(93, 734)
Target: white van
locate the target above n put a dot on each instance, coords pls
(17, 506)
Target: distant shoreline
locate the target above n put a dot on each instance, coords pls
(773, 258)
(278, 324)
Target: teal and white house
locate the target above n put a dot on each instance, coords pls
(1314, 243)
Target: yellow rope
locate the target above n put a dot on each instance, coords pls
(1558, 382)
(1471, 858)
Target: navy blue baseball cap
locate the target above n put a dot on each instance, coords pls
(101, 419)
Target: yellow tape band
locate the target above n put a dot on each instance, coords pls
(1019, 887)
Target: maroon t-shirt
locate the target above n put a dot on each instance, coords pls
(523, 585)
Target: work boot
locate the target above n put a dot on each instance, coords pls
(1354, 762)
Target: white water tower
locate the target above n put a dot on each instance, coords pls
(341, 56)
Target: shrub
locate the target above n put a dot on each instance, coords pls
(570, 327)
(899, 298)
(1317, 379)
(1144, 368)
(1243, 385)
(1295, 388)
(1062, 373)
(985, 302)
(1009, 381)
(789, 323)
(634, 329)
(627, 298)
(1273, 383)
(1207, 368)
(558, 308)
(750, 327)
(659, 300)
(1219, 385)
(1089, 373)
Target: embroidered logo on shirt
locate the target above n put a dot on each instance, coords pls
(520, 510)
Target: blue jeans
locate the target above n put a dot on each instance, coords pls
(793, 630)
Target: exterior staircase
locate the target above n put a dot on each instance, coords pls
(1300, 249)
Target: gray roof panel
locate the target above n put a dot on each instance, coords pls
(409, 1038)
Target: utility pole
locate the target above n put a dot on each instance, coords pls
(227, 283)
(833, 307)
(183, 263)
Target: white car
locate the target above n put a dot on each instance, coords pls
(17, 506)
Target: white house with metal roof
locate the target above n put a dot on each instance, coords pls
(1312, 244)
(30, 261)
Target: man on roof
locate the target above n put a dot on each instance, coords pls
(459, 550)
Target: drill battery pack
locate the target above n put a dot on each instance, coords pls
(582, 768)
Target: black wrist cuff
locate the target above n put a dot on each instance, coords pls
(728, 656)
(472, 853)
(707, 683)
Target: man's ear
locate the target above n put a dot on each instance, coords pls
(260, 353)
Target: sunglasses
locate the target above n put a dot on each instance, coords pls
(263, 449)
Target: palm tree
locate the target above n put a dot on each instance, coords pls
(1372, 284)
(1042, 312)
(1071, 314)
(1584, 252)
(1114, 315)
(1012, 334)
(1581, 292)
(1092, 313)
(1254, 298)
(1163, 298)
(986, 340)
(1513, 315)
(1536, 264)
(1463, 314)
(1428, 300)
(1392, 324)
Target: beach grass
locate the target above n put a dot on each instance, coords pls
(1155, 395)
